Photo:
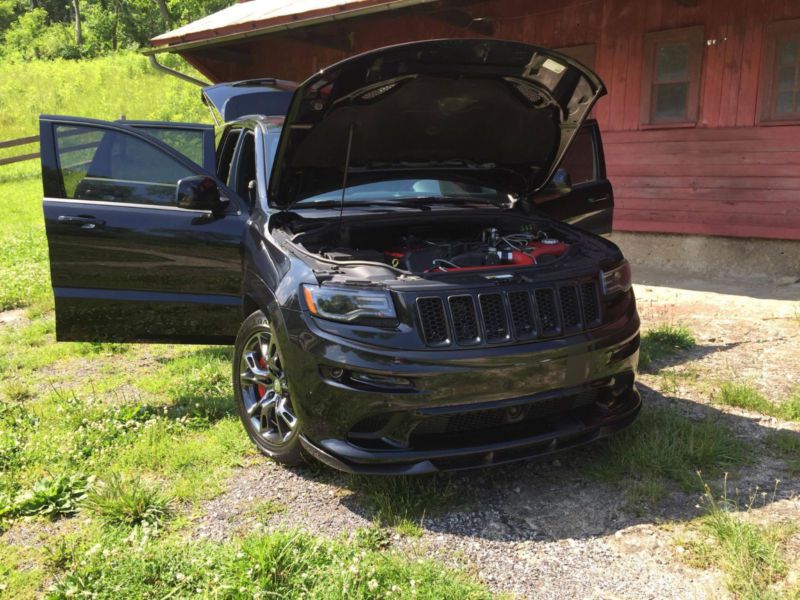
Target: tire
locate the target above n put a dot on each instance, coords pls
(263, 396)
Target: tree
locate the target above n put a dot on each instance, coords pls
(76, 5)
(165, 19)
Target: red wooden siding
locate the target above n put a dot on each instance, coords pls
(729, 175)
(741, 181)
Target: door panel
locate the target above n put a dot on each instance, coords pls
(126, 263)
(579, 192)
(194, 140)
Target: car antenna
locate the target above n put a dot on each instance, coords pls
(344, 177)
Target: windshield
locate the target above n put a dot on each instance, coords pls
(408, 189)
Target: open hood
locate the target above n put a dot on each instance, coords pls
(496, 113)
(231, 101)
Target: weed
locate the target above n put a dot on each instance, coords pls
(128, 503)
(373, 537)
(744, 395)
(61, 554)
(786, 444)
(53, 497)
(664, 340)
(403, 502)
(750, 555)
(664, 445)
(264, 510)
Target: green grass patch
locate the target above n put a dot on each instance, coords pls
(665, 446)
(283, 564)
(752, 556)
(744, 395)
(129, 503)
(192, 464)
(786, 444)
(20, 575)
(664, 340)
(403, 502)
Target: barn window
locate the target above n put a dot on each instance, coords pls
(671, 78)
(780, 85)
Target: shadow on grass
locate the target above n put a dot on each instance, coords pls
(646, 474)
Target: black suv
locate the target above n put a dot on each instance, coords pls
(404, 249)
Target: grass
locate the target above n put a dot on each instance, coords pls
(664, 340)
(129, 503)
(403, 502)
(751, 556)
(664, 446)
(786, 444)
(744, 395)
(283, 564)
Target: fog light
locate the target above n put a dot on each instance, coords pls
(337, 373)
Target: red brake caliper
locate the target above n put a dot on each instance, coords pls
(262, 362)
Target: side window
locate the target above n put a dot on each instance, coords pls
(225, 154)
(780, 72)
(579, 164)
(188, 142)
(671, 78)
(112, 166)
(246, 168)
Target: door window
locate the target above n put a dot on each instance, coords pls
(246, 168)
(112, 166)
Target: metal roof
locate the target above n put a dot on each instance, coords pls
(261, 17)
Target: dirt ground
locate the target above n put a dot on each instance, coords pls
(545, 529)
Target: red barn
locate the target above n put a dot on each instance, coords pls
(701, 125)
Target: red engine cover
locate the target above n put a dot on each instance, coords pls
(538, 248)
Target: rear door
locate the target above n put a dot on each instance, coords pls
(127, 264)
(579, 192)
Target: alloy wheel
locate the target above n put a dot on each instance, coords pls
(265, 391)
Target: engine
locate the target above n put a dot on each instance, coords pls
(491, 251)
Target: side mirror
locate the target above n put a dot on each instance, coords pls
(200, 193)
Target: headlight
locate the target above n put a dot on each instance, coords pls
(617, 279)
(349, 305)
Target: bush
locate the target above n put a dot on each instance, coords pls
(32, 37)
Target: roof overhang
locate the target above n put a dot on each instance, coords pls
(262, 17)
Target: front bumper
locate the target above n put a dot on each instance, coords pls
(569, 433)
(367, 409)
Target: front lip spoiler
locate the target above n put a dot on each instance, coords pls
(355, 460)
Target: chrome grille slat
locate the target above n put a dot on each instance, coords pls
(517, 314)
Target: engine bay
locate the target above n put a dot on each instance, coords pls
(492, 250)
(443, 246)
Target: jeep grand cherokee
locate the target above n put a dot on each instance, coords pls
(404, 250)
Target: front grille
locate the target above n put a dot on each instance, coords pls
(522, 314)
(465, 322)
(591, 305)
(494, 317)
(570, 309)
(434, 322)
(517, 314)
(548, 315)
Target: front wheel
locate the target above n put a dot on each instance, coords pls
(262, 391)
